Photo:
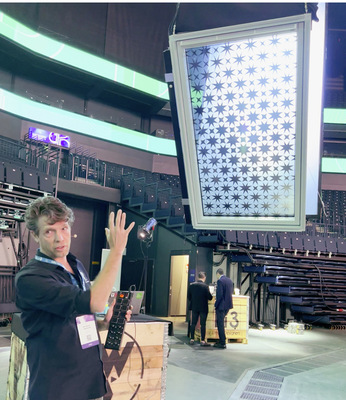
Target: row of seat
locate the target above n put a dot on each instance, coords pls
(287, 241)
(160, 200)
(149, 196)
(22, 175)
(155, 191)
(314, 290)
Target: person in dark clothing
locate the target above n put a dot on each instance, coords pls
(223, 304)
(198, 294)
(58, 304)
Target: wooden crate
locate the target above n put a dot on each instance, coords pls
(17, 381)
(138, 370)
(236, 321)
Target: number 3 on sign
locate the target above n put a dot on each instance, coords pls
(234, 320)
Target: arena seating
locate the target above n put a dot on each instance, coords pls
(314, 289)
(304, 269)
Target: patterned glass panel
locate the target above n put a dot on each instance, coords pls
(243, 99)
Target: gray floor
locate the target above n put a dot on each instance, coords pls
(273, 365)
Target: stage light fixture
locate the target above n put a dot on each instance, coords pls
(145, 232)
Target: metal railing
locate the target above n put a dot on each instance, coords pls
(82, 165)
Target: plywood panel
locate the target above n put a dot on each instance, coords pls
(236, 321)
(137, 371)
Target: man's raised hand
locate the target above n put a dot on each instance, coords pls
(117, 234)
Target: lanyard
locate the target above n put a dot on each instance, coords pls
(73, 279)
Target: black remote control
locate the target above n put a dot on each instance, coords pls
(118, 320)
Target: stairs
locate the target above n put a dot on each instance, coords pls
(155, 199)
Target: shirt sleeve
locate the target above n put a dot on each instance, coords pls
(48, 293)
(219, 294)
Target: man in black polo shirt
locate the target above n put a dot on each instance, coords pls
(58, 304)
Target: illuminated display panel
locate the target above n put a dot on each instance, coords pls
(333, 165)
(334, 116)
(53, 138)
(241, 102)
(48, 115)
(77, 58)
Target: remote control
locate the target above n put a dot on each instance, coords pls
(118, 320)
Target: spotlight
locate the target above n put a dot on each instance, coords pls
(145, 231)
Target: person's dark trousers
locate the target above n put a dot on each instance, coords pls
(220, 321)
(203, 319)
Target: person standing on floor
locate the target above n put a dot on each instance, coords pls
(58, 305)
(198, 294)
(223, 304)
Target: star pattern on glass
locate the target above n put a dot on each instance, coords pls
(243, 98)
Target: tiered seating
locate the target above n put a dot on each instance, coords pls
(25, 176)
(161, 194)
(315, 290)
(288, 242)
(157, 194)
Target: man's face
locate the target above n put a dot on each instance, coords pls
(54, 240)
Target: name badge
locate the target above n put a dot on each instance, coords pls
(87, 331)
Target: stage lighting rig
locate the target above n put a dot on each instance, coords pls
(145, 232)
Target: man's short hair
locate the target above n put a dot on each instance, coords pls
(52, 208)
(220, 271)
(201, 275)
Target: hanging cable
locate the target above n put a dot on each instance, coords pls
(172, 25)
(239, 247)
(321, 289)
(218, 263)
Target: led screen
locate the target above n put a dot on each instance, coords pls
(48, 115)
(62, 52)
(241, 102)
(56, 139)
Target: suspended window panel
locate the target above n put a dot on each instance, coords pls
(241, 95)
